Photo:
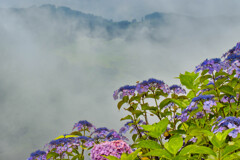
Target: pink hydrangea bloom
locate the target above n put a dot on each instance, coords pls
(113, 148)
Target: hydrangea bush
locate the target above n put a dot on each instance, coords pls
(198, 119)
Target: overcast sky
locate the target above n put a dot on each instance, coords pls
(49, 81)
(131, 9)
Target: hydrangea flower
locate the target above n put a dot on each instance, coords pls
(63, 145)
(234, 67)
(202, 97)
(211, 65)
(228, 123)
(124, 91)
(83, 124)
(177, 89)
(38, 155)
(113, 148)
(208, 102)
(100, 133)
(129, 125)
(227, 99)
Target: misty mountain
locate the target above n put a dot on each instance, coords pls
(71, 21)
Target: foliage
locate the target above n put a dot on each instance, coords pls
(200, 123)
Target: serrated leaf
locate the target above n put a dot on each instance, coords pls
(188, 79)
(228, 90)
(156, 129)
(159, 153)
(174, 144)
(229, 149)
(149, 144)
(196, 149)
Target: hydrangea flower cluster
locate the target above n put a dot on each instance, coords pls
(113, 148)
(233, 53)
(38, 155)
(83, 124)
(228, 123)
(124, 91)
(152, 84)
(227, 99)
(63, 145)
(177, 89)
(104, 134)
(234, 67)
(141, 88)
(129, 125)
(208, 102)
(211, 65)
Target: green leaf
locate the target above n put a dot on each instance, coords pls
(205, 77)
(124, 100)
(133, 155)
(159, 153)
(233, 156)
(188, 79)
(134, 136)
(165, 102)
(228, 90)
(52, 155)
(219, 139)
(174, 144)
(156, 129)
(127, 117)
(177, 132)
(110, 157)
(229, 149)
(196, 149)
(149, 144)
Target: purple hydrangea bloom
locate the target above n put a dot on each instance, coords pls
(234, 67)
(83, 124)
(129, 125)
(199, 115)
(227, 99)
(153, 84)
(202, 97)
(194, 140)
(228, 123)
(114, 148)
(208, 104)
(177, 89)
(211, 65)
(124, 91)
(38, 155)
(100, 133)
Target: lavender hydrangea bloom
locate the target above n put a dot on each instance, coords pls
(202, 97)
(129, 125)
(100, 133)
(38, 155)
(228, 123)
(208, 104)
(211, 65)
(124, 91)
(234, 67)
(152, 83)
(83, 124)
(113, 148)
(227, 99)
(177, 89)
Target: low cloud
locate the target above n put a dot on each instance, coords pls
(54, 73)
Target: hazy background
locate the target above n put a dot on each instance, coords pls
(59, 65)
